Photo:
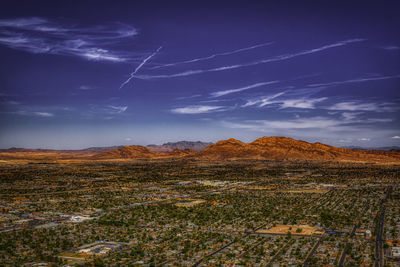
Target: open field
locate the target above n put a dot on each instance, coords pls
(293, 229)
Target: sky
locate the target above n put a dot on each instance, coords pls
(101, 73)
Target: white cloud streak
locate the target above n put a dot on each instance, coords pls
(197, 109)
(302, 103)
(212, 56)
(43, 114)
(86, 87)
(348, 116)
(187, 97)
(118, 109)
(263, 61)
(262, 101)
(391, 47)
(226, 92)
(298, 123)
(138, 67)
(359, 106)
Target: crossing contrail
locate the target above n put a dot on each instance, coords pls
(212, 56)
(262, 61)
(138, 68)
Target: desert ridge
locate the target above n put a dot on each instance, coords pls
(264, 148)
(284, 148)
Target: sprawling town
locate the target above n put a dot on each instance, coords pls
(199, 213)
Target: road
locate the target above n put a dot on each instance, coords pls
(379, 255)
(343, 256)
(288, 244)
(305, 264)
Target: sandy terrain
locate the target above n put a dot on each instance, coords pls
(284, 229)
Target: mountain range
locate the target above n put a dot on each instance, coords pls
(264, 148)
(166, 147)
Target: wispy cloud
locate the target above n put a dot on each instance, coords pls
(105, 112)
(262, 101)
(231, 91)
(43, 36)
(263, 61)
(348, 116)
(11, 102)
(396, 137)
(302, 103)
(43, 114)
(360, 106)
(197, 109)
(298, 123)
(86, 87)
(212, 56)
(359, 80)
(391, 47)
(139, 66)
(188, 97)
(118, 109)
(30, 111)
(364, 139)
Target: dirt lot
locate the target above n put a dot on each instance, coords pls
(293, 229)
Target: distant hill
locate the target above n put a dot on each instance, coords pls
(128, 152)
(141, 152)
(40, 150)
(166, 147)
(182, 145)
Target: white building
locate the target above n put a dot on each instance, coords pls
(396, 252)
(79, 218)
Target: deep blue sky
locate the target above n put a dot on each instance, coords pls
(76, 74)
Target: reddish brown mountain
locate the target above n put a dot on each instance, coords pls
(265, 148)
(283, 148)
(127, 152)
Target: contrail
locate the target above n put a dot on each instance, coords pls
(138, 68)
(227, 92)
(355, 81)
(263, 61)
(212, 56)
